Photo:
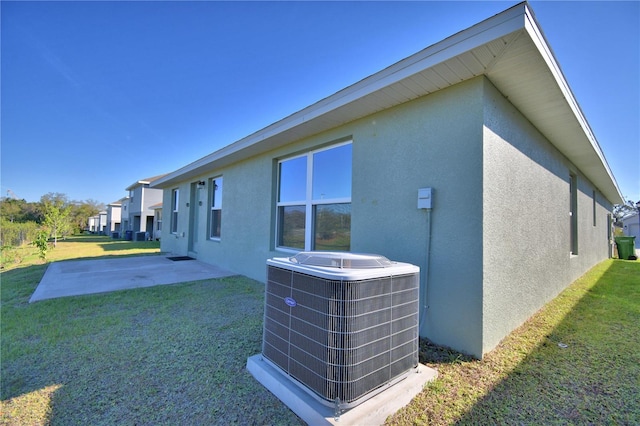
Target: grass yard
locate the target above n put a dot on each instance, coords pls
(172, 354)
(176, 354)
(577, 361)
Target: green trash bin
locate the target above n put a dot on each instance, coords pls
(626, 247)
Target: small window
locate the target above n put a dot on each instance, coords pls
(215, 203)
(573, 213)
(594, 207)
(175, 200)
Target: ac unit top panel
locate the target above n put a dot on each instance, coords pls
(343, 266)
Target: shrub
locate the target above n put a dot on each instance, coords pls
(16, 234)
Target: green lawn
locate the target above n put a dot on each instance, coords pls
(172, 354)
(176, 355)
(577, 361)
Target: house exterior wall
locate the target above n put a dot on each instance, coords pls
(113, 217)
(526, 252)
(135, 197)
(157, 225)
(102, 222)
(151, 197)
(496, 239)
(395, 152)
(435, 141)
(91, 224)
(141, 198)
(124, 215)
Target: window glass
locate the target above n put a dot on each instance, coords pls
(594, 207)
(174, 204)
(215, 190)
(174, 214)
(216, 193)
(573, 213)
(332, 173)
(293, 180)
(216, 220)
(292, 226)
(332, 227)
(314, 200)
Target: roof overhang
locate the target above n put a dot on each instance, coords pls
(508, 48)
(147, 181)
(137, 184)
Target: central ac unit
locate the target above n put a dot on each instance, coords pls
(343, 326)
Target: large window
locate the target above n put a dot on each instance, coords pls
(314, 200)
(215, 204)
(175, 199)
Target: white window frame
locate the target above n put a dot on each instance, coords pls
(309, 203)
(175, 209)
(215, 204)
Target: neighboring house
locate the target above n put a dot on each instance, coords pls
(157, 229)
(521, 193)
(102, 222)
(140, 215)
(97, 224)
(124, 215)
(92, 224)
(631, 227)
(114, 218)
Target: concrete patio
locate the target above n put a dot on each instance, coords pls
(78, 277)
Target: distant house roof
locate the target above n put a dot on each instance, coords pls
(508, 48)
(119, 202)
(630, 215)
(156, 206)
(147, 181)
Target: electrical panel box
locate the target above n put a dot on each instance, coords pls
(424, 198)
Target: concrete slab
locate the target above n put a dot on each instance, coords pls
(373, 411)
(78, 277)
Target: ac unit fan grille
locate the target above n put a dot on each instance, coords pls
(341, 339)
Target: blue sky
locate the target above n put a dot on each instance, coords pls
(97, 95)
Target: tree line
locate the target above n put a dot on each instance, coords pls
(54, 216)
